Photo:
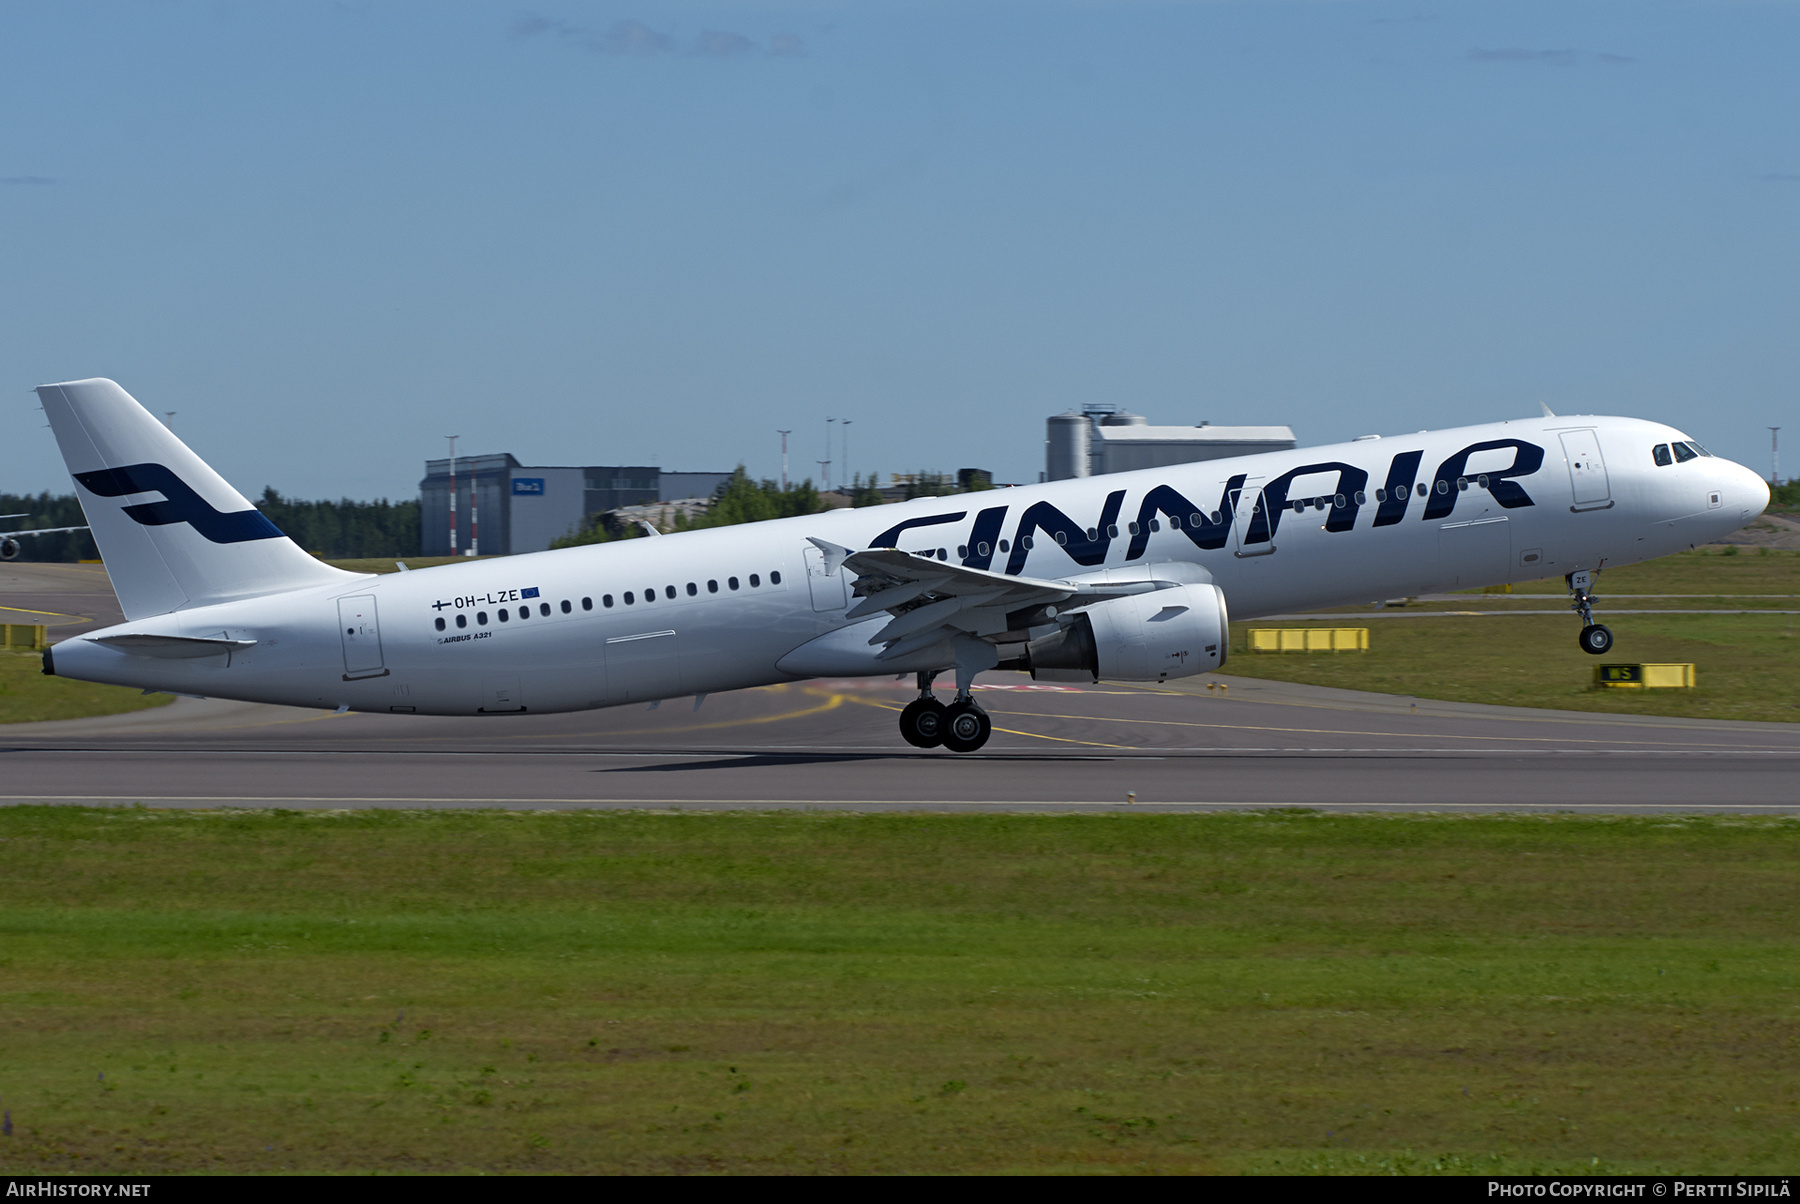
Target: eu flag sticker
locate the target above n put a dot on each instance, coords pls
(528, 593)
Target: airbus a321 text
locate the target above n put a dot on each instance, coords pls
(1123, 577)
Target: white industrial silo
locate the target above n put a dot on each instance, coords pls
(1066, 448)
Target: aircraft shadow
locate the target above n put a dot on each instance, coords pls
(789, 760)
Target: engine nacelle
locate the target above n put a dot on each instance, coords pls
(1143, 637)
(9, 548)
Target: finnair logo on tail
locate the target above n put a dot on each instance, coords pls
(183, 505)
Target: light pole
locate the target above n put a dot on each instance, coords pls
(825, 469)
(844, 464)
(169, 419)
(824, 472)
(1774, 458)
(453, 439)
(784, 435)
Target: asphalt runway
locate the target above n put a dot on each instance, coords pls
(834, 744)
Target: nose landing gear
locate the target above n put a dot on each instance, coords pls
(960, 727)
(1595, 640)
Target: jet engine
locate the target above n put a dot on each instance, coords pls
(1166, 633)
(9, 548)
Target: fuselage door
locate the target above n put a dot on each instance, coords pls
(829, 591)
(361, 636)
(1587, 470)
(1250, 520)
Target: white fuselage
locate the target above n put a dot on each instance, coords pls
(1594, 498)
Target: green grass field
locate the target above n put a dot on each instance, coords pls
(594, 992)
(27, 696)
(1710, 570)
(1747, 666)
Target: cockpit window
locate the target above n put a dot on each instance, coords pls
(1660, 453)
(1685, 452)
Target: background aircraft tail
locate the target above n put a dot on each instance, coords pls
(173, 534)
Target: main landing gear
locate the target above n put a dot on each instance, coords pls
(960, 727)
(1595, 640)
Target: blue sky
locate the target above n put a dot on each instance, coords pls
(327, 234)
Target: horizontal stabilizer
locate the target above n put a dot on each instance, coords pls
(173, 647)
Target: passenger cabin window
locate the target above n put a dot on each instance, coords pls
(566, 608)
(712, 587)
(605, 600)
(481, 618)
(588, 603)
(669, 591)
(462, 620)
(504, 614)
(775, 577)
(1660, 453)
(1683, 452)
(692, 589)
(544, 608)
(732, 582)
(755, 581)
(440, 623)
(628, 598)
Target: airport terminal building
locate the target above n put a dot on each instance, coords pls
(510, 507)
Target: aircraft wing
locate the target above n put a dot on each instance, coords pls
(932, 600)
(9, 540)
(39, 531)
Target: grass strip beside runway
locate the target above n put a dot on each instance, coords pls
(27, 696)
(791, 992)
(1746, 666)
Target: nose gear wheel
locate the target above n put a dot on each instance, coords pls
(1596, 640)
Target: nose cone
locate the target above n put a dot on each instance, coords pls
(1746, 493)
(1756, 493)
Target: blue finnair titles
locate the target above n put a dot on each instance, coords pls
(1123, 577)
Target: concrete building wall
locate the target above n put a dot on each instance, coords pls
(1126, 448)
(545, 505)
(672, 486)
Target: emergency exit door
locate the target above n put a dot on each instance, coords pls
(361, 632)
(1587, 470)
(829, 590)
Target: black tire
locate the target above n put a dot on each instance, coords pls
(966, 727)
(922, 723)
(1596, 640)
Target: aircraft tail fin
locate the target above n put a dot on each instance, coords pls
(172, 532)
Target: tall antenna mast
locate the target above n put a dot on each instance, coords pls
(784, 435)
(453, 439)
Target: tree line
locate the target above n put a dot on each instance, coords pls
(339, 530)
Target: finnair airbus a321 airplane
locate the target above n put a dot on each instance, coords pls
(1123, 577)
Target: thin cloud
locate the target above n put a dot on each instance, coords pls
(719, 43)
(1517, 54)
(27, 181)
(633, 37)
(1557, 58)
